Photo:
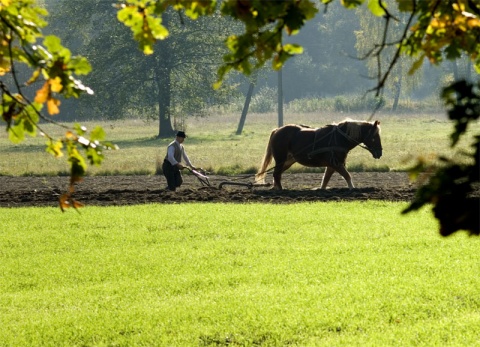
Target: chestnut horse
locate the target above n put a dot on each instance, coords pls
(327, 146)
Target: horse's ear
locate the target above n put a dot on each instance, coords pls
(376, 124)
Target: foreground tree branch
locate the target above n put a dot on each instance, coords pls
(51, 63)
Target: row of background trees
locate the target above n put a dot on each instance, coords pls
(176, 80)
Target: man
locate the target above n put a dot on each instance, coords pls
(172, 164)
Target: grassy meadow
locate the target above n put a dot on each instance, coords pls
(305, 274)
(213, 145)
(309, 274)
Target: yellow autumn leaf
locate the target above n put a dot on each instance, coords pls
(34, 77)
(43, 94)
(458, 7)
(4, 66)
(56, 84)
(63, 202)
(52, 105)
(66, 201)
(77, 204)
(473, 23)
(70, 135)
(56, 149)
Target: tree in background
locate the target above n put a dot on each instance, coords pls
(379, 56)
(172, 82)
(327, 66)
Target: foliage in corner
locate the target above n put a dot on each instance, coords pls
(51, 73)
(450, 186)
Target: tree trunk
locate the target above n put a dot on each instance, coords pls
(241, 123)
(456, 74)
(396, 98)
(280, 99)
(398, 90)
(468, 71)
(164, 99)
(162, 56)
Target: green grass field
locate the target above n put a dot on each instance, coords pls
(213, 145)
(309, 274)
(306, 274)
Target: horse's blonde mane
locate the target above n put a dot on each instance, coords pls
(354, 127)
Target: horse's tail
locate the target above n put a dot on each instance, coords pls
(267, 159)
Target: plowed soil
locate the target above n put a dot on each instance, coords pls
(132, 190)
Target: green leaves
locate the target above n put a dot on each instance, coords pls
(20, 33)
(54, 46)
(21, 117)
(463, 103)
(59, 68)
(451, 30)
(350, 4)
(405, 6)
(377, 7)
(449, 187)
(144, 23)
(264, 23)
(79, 138)
(144, 18)
(284, 54)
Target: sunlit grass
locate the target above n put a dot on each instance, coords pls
(310, 274)
(213, 145)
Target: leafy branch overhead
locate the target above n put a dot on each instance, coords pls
(436, 29)
(52, 74)
(264, 23)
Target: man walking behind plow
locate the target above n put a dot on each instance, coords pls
(172, 163)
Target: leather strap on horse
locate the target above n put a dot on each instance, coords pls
(351, 139)
(328, 149)
(336, 129)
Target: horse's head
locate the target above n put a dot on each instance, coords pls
(372, 140)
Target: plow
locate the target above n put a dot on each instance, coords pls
(202, 177)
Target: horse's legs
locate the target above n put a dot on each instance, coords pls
(326, 177)
(346, 175)
(277, 177)
(279, 169)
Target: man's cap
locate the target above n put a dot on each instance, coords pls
(181, 134)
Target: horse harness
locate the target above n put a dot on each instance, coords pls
(333, 143)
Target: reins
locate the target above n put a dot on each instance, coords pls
(352, 139)
(336, 129)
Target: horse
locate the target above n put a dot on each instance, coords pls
(327, 146)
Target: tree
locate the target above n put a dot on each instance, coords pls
(246, 105)
(262, 40)
(379, 56)
(172, 82)
(434, 30)
(328, 65)
(34, 75)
